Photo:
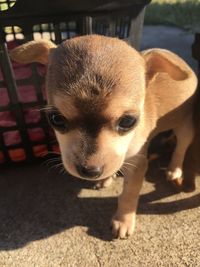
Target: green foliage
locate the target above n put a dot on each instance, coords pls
(181, 13)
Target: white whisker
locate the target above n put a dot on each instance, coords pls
(58, 165)
(130, 164)
(48, 162)
(62, 170)
(46, 108)
(121, 172)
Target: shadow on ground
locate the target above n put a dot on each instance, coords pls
(36, 203)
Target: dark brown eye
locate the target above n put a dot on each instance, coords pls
(58, 121)
(126, 123)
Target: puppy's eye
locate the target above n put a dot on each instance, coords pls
(58, 121)
(126, 123)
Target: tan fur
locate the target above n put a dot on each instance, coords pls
(99, 79)
(66, 106)
(34, 51)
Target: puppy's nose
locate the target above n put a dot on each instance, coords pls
(90, 171)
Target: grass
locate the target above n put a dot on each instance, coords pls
(180, 13)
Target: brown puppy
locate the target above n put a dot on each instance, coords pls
(106, 102)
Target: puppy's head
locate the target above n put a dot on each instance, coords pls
(96, 90)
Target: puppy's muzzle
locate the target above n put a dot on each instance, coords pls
(92, 172)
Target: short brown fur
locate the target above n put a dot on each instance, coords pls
(95, 81)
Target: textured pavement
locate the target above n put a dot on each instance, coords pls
(48, 219)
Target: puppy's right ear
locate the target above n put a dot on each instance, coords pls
(34, 51)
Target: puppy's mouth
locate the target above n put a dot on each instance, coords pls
(90, 173)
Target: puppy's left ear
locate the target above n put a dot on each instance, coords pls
(163, 61)
(34, 51)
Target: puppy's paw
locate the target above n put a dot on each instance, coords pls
(175, 177)
(174, 174)
(104, 183)
(123, 226)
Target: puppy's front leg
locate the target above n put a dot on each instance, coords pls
(123, 223)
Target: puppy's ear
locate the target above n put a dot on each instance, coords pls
(160, 60)
(34, 51)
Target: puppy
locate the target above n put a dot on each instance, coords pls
(106, 101)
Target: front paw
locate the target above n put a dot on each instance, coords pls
(175, 177)
(123, 225)
(105, 183)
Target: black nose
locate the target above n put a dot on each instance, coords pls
(90, 171)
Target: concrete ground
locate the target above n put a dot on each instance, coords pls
(49, 219)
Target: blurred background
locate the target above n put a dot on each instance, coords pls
(181, 13)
